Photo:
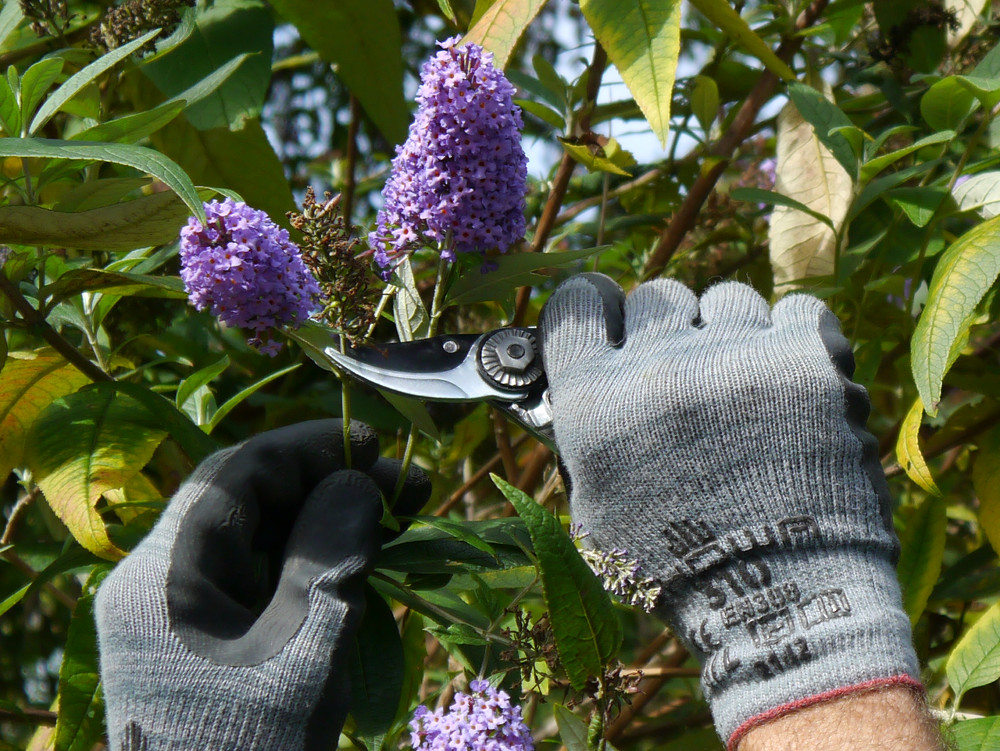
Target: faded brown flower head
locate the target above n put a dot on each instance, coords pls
(330, 250)
(130, 20)
(48, 17)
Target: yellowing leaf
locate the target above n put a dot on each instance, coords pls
(29, 382)
(922, 550)
(986, 481)
(975, 660)
(501, 25)
(642, 39)
(908, 452)
(800, 245)
(964, 274)
(84, 445)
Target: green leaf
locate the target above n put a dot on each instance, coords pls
(919, 204)
(802, 246)
(412, 318)
(908, 452)
(771, 198)
(586, 627)
(198, 379)
(975, 660)
(705, 101)
(72, 86)
(29, 383)
(14, 598)
(150, 220)
(966, 271)
(80, 723)
(195, 443)
(501, 25)
(132, 128)
(10, 110)
(642, 39)
(872, 167)
(541, 111)
(376, 668)
(606, 156)
(36, 82)
(981, 192)
(513, 271)
(458, 531)
(76, 281)
(922, 550)
(74, 558)
(10, 17)
(138, 157)
(947, 104)
(572, 730)
(235, 33)
(986, 481)
(446, 10)
(87, 443)
(241, 160)
(363, 39)
(830, 124)
(721, 13)
(413, 410)
(233, 401)
(982, 734)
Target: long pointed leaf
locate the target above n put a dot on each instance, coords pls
(72, 86)
(643, 40)
(501, 25)
(721, 13)
(138, 157)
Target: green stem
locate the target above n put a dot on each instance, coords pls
(345, 408)
(443, 273)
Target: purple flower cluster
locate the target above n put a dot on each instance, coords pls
(243, 268)
(459, 180)
(481, 721)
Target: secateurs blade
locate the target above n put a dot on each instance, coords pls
(502, 367)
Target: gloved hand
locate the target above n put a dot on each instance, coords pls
(198, 651)
(722, 444)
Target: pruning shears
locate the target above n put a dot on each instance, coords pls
(502, 367)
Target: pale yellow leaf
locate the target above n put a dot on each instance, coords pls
(801, 246)
(908, 453)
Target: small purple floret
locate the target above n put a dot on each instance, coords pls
(244, 269)
(458, 182)
(484, 720)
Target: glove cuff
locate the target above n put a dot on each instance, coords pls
(825, 622)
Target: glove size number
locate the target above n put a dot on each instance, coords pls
(744, 576)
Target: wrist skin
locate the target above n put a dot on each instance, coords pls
(883, 719)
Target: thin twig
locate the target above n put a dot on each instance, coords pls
(455, 498)
(18, 512)
(17, 562)
(350, 182)
(34, 320)
(720, 154)
(674, 659)
(534, 468)
(501, 430)
(28, 716)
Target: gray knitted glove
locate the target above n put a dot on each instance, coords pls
(722, 445)
(198, 651)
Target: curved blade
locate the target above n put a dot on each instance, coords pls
(443, 369)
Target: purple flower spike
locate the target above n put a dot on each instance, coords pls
(243, 268)
(481, 721)
(459, 180)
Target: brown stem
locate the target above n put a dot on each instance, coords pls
(350, 181)
(17, 562)
(28, 716)
(579, 207)
(455, 498)
(650, 688)
(547, 221)
(534, 468)
(501, 430)
(35, 321)
(17, 513)
(722, 150)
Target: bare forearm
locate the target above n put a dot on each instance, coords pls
(885, 720)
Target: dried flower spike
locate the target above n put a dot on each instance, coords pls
(133, 18)
(243, 268)
(620, 574)
(458, 183)
(330, 251)
(483, 720)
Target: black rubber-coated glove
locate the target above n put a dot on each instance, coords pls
(199, 649)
